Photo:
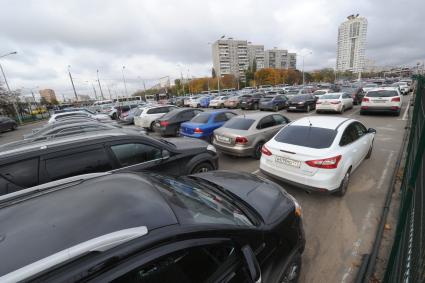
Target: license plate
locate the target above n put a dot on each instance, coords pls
(286, 161)
(223, 139)
(292, 107)
(326, 103)
(378, 101)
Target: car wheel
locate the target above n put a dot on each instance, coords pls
(292, 272)
(342, 110)
(317, 111)
(151, 126)
(362, 112)
(344, 184)
(198, 106)
(177, 131)
(255, 106)
(203, 167)
(308, 108)
(257, 151)
(14, 127)
(221, 105)
(369, 153)
(276, 108)
(114, 116)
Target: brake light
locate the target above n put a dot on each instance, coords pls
(265, 151)
(326, 163)
(198, 131)
(335, 102)
(395, 99)
(365, 99)
(241, 140)
(163, 123)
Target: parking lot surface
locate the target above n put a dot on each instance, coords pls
(338, 230)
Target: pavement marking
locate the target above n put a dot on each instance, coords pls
(367, 223)
(355, 112)
(256, 171)
(384, 173)
(406, 112)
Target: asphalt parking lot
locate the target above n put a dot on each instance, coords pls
(338, 230)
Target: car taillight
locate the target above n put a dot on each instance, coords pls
(365, 99)
(265, 151)
(335, 102)
(395, 99)
(198, 131)
(163, 123)
(241, 140)
(326, 163)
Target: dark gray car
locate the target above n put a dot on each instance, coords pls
(245, 135)
(7, 124)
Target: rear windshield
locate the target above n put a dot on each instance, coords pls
(330, 96)
(312, 137)
(239, 123)
(382, 93)
(171, 114)
(201, 118)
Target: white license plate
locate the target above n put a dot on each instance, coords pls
(286, 161)
(379, 101)
(223, 139)
(292, 107)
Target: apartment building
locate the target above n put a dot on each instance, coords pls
(230, 57)
(48, 94)
(256, 52)
(280, 59)
(351, 44)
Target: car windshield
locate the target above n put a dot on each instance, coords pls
(239, 123)
(382, 93)
(199, 204)
(306, 136)
(171, 114)
(201, 118)
(298, 98)
(330, 96)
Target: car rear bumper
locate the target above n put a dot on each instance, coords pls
(195, 136)
(379, 109)
(232, 104)
(323, 183)
(267, 107)
(297, 107)
(330, 107)
(236, 150)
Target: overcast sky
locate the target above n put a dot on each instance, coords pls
(153, 38)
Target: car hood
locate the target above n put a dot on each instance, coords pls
(270, 200)
(188, 144)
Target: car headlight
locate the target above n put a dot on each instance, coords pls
(298, 210)
(300, 103)
(210, 147)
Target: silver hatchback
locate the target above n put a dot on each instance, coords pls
(245, 135)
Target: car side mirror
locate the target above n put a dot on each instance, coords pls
(252, 264)
(371, 131)
(165, 154)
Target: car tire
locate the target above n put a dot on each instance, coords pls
(151, 126)
(257, 151)
(276, 108)
(177, 131)
(342, 110)
(114, 116)
(255, 106)
(308, 109)
(317, 112)
(202, 167)
(14, 127)
(344, 184)
(222, 105)
(293, 271)
(369, 153)
(362, 112)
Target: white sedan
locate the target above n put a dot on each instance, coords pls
(218, 102)
(335, 102)
(145, 117)
(318, 153)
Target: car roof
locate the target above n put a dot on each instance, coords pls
(255, 116)
(39, 223)
(327, 122)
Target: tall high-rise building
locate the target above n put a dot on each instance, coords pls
(256, 52)
(280, 59)
(48, 94)
(230, 57)
(351, 44)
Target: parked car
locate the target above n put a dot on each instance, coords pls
(250, 101)
(67, 128)
(356, 92)
(169, 124)
(233, 102)
(318, 93)
(203, 125)
(334, 102)
(78, 114)
(147, 116)
(245, 135)
(116, 111)
(7, 124)
(318, 153)
(369, 86)
(273, 102)
(188, 100)
(303, 102)
(403, 86)
(29, 163)
(386, 99)
(127, 117)
(218, 102)
(153, 228)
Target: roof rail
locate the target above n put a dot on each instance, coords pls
(99, 244)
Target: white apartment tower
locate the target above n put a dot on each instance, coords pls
(256, 52)
(230, 57)
(280, 59)
(351, 44)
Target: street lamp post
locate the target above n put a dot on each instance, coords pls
(302, 56)
(100, 87)
(72, 82)
(15, 108)
(123, 79)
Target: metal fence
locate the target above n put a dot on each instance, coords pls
(407, 259)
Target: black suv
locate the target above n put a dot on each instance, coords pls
(29, 163)
(218, 226)
(251, 101)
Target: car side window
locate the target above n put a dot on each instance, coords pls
(77, 163)
(134, 153)
(360, 129)
(152, 111)
(220, 117)
(195, 264)
(22, 173)
(279, 120)
(350, 135)
(266, 122)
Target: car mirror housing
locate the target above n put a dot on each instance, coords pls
(371, 131)
(165, 154)
(252, 264)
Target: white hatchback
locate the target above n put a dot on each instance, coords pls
(387, 99)
(335, 102)
(318, 153)
(146, 117)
